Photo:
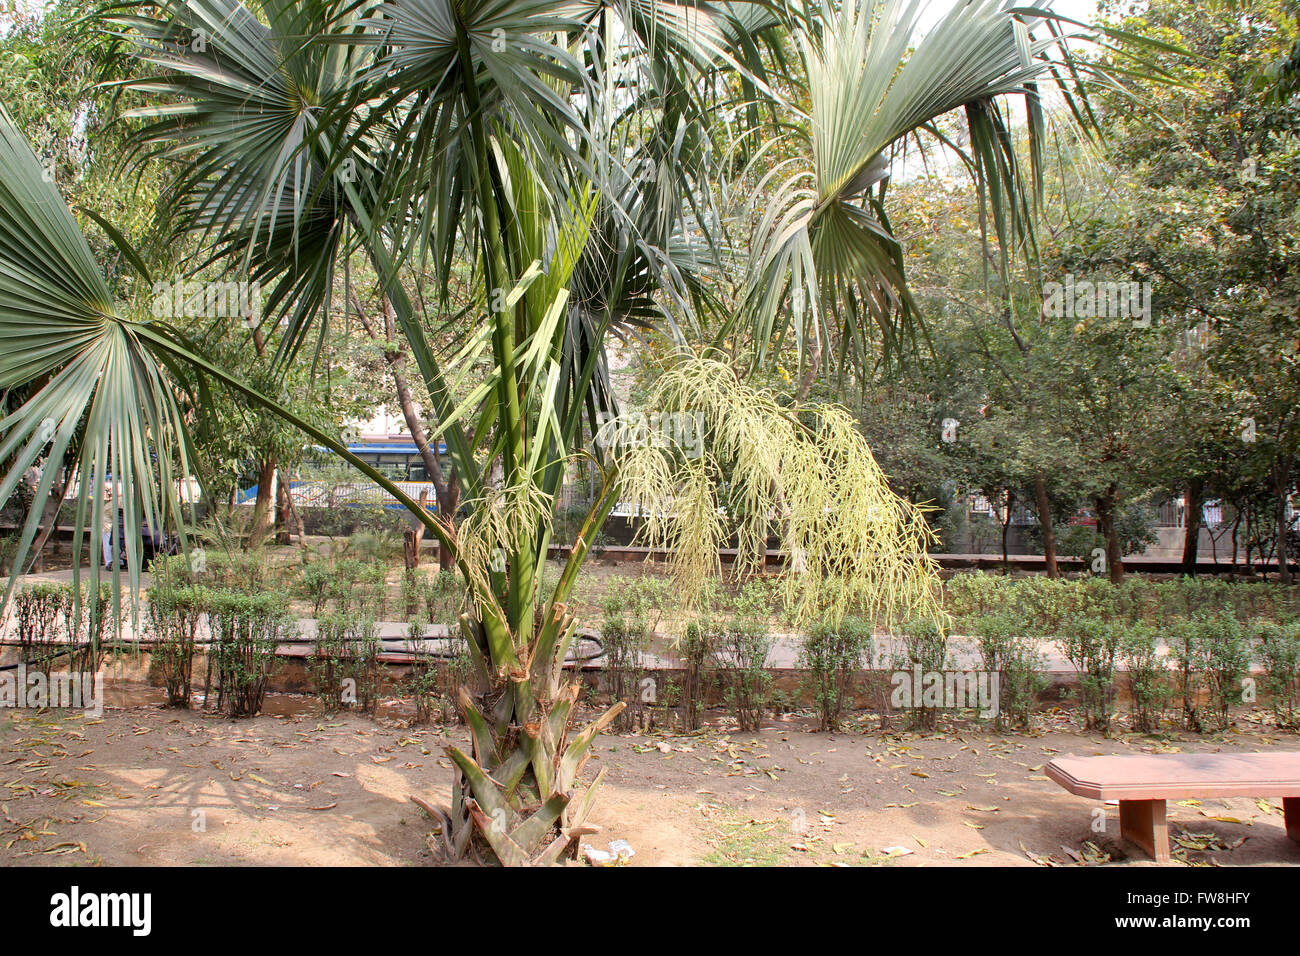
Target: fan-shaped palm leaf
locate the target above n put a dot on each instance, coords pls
(99, 402)
(875, 76)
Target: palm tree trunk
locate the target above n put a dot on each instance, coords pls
(515, 790)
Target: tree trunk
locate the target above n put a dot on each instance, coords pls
(49, 519)
(814, 359)
(1192, 525)
(295, 516)
(1045, 522)
(413, 537)
(1235, 523)
(1106, 524)
(287, 517)
(447, 505)
(1281, 485)
(263, 513)
(446, 488)
(1006, 526)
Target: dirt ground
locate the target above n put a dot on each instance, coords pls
(146, 786)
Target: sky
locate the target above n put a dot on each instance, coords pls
(1078, 9)
(1075, 9)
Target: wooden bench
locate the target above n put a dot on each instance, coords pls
(1143, 782)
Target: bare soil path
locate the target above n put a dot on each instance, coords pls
(144, 785)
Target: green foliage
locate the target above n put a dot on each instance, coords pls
(728, 641)
(346, 591)
(1045, 602)
(1279, 652)
(695, 650)
(345, 667)
(444, 599)
(372, 595)
(1007, 651)
(1149, 684)
(37, 610)
(1225, 656)
(1092, 645)
(741, 643)
(314, 584)
(376, 547)
(630, 613)
(435, 678)
(422, 682)
(54, 621)
(261, 121)
(924, 647)
(172, 620)
(1212, 654)
(246, 630)
(832, 654)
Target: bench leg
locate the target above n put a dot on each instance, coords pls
(1143, 822)
(1291, 808)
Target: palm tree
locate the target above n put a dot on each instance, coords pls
(565, 151)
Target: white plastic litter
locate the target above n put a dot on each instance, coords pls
(619, 852)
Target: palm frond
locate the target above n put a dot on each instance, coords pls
(825, 258)
(100, 407)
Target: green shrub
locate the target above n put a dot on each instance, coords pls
(1042, 601)
(832, 653)
(345, 665)
(435, 680)
(973, 595)
(97, 611)
(1212, 655)
(1092, 645)
(736, 631)
(1013, 656)
(249, 572)
(410, 594)
(741, 655)
(695, 650)
(1226, 658)
(377, 547)
(314, 581)
(343, 590)
(924, 647)
(631, 612)
(41, 628)
(422, 683)
(1148, 678)
(625, 639)
(172, 619)
(246, 630)
(371, 595)
(444, 599)
(1279, 652)
(1185, 649)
